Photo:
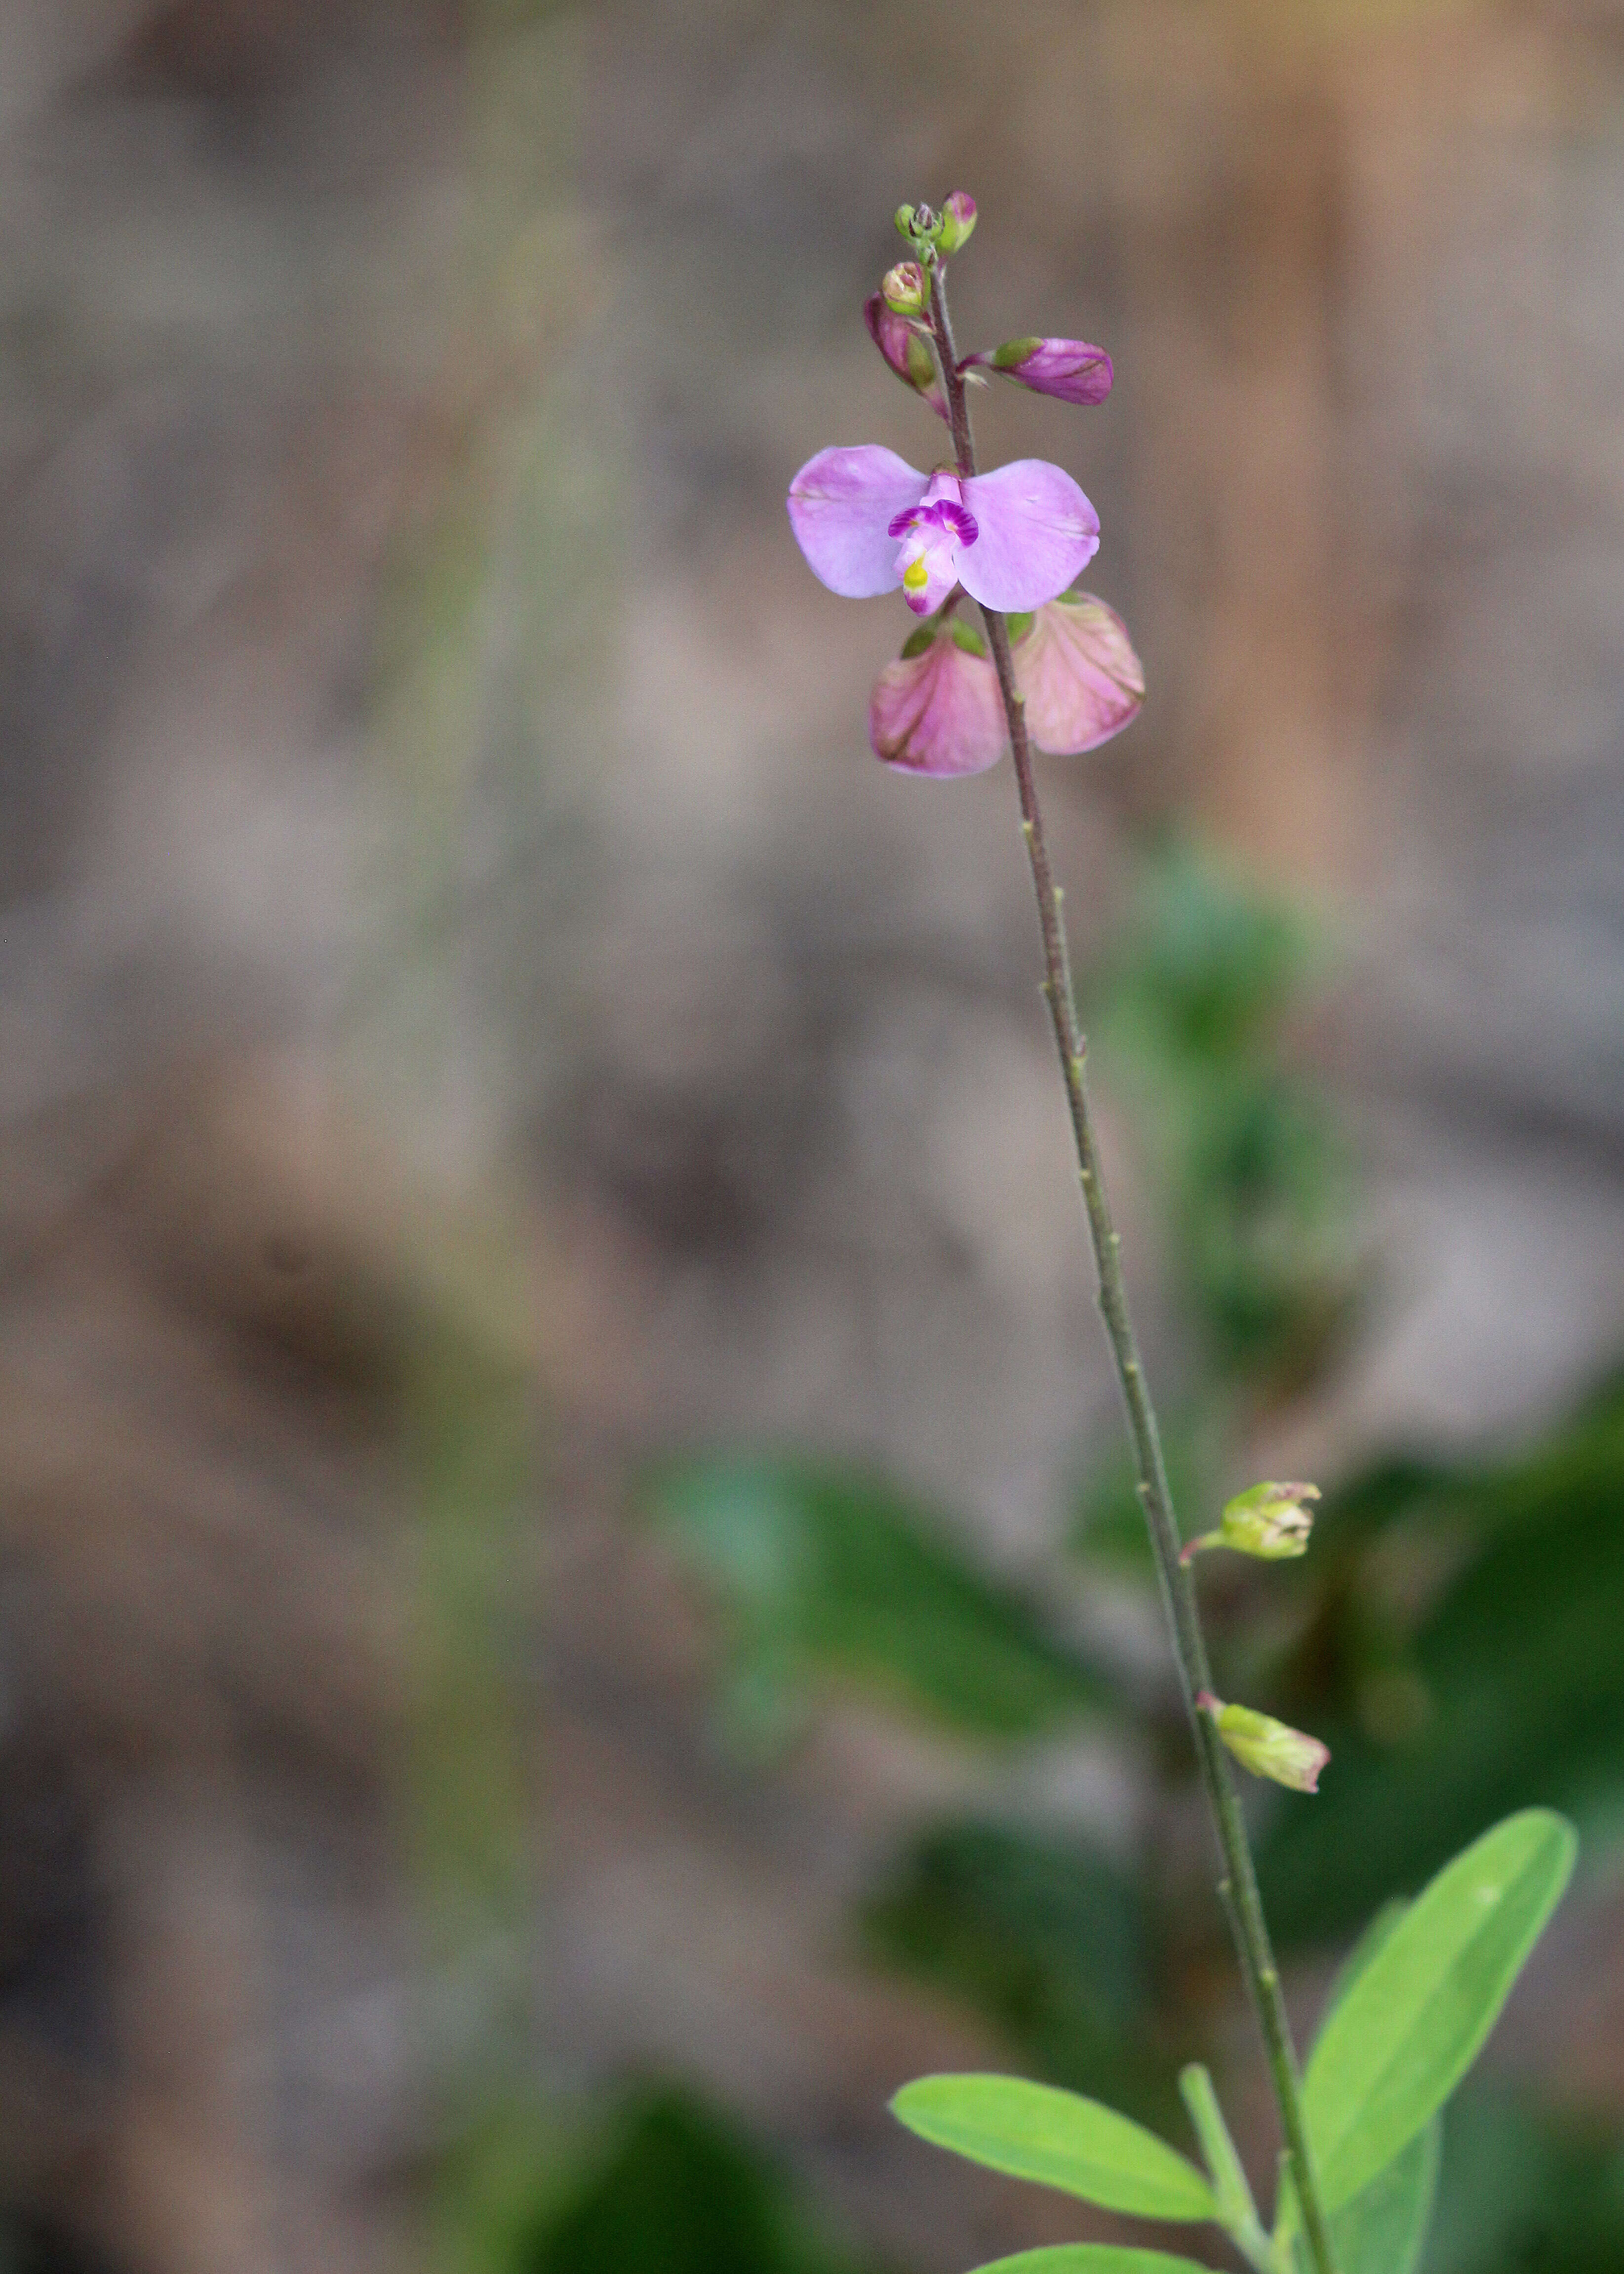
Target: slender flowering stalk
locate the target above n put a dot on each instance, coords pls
(1239, 1885)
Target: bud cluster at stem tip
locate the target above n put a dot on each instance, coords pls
(938, 235)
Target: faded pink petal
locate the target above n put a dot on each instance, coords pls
(904, 351)
(1035, 531)
(1078, 673)
(938, 713)
(1070, 369)
(841, 506)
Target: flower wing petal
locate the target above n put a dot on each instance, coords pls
(1079, 675)
(938, 713)
(841, 504)
(1037, 532)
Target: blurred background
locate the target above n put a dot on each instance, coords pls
(570, 1613)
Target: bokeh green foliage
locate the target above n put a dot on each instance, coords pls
(656, 2179)
(1191, 1010)
(821, 1572)
(673, 2187)
(1047, 1936)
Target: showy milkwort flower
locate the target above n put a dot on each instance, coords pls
(866, 522)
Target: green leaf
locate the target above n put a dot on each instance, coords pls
(1415, 2018)
(821, 1572)
(1037, 2132)
(1383, 2229)
(1093, 2258)
(1236, 2211)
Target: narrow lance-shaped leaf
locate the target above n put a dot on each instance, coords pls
(1236, 2208)
(1038, 2132)
(1414, 2019)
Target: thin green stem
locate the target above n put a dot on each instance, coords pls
(1238, 1887)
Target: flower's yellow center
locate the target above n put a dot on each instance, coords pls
(915, 576)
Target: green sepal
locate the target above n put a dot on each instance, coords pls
(967, 637)
(919, 640)
(1020, 624)
(1015, 353)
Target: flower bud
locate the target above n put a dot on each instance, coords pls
(1070, 369)
(1266, 1747)
(904, 289)
(957, 221)
(936, 709)
(904, 351)
(1269, 1520)
(904, 218)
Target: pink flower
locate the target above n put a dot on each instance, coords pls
(936, 709)
(1078, 672)
(868, 521)
(904, 349)
(1070, 369)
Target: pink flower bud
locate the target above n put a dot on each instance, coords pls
(904, 289)
(957, 221)
(1266, 1747)
(904, 351)
(1070, 369)
(1079, 675)
(936, 709)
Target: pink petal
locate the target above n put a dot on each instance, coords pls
(1070, 369)
(841, 504)
(1037, 532)
(1081, 680)
(938, 713)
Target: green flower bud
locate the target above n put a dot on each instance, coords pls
(1269, 1520)
(957, 221)
(1266, 1747)
(904, 289)
(904, 218)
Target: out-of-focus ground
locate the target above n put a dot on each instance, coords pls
(435, 794)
